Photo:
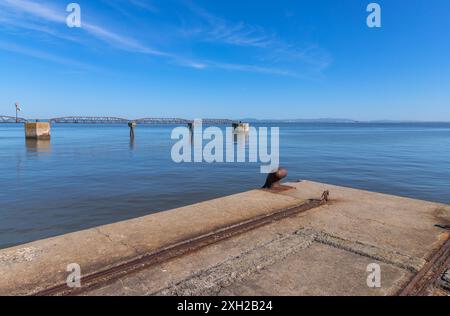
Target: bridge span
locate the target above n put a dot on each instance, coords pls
(148, 120)
(11, 119)
(117, 120)
(89, 120)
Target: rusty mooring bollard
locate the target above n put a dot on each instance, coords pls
(273, 179)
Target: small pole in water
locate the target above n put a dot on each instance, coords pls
(132, 125)
(17, 110)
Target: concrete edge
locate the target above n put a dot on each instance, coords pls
(36, 266)
(330, 186)
(33, 267)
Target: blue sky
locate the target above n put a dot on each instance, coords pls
(234, 59)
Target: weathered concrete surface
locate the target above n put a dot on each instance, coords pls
(379, 219)
(37, 130)
(36, 266)
(319, 270)
(324, 251)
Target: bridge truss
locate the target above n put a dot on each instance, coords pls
(11, 119)
(118, 120)
(89, 120)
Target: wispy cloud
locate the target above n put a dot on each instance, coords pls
(145, 5)
(12, 22)
(219, 30)
(120, 41)
(34, 9)
(41, 11)
(255, 69)
(44, 18)
(206, 64)
(123, 6)
(49, 14)
(17, 49)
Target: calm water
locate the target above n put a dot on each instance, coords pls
(92, 175)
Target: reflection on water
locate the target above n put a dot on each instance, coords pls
(131, 142)
(239, 137)
(38, 146)
(90, 175)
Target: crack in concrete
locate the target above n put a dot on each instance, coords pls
(117, 241)
(390, 225)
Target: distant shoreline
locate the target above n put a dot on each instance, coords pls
(171, 121)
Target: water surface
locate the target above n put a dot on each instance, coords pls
(89, 175)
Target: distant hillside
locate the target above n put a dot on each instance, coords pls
(321, 120)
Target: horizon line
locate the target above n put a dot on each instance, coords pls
(297, 120)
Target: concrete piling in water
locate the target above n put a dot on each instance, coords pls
(241, 127)
(37, 130)
(132, 125)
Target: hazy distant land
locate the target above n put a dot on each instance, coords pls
(219, 121)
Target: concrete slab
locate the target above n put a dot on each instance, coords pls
(106, 246)
(315, 252)
(262, 262)
(320, 270)
(334, 263)
(378, 219)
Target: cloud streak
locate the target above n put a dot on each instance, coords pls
(145, 5)
(49, 14)
(39, 17)
(17, 49)
(218, 30)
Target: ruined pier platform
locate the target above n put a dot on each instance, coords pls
(259, 242)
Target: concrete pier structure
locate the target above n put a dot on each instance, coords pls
(241, 127)
(324, 250)
(38, 130)
(132, 126)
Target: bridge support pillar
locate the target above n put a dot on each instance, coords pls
(39, 130)
(132, 125)
(241, 127)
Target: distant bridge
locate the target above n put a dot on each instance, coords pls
(11, 119)
(89, 120)
(217, 121)
(119, 120)
(177, 121)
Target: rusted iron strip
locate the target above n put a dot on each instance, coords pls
(430, 273)
(106, 276)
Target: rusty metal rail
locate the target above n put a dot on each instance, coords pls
(429, 276)
(107, 276)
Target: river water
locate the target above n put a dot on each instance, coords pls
(89, 175)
